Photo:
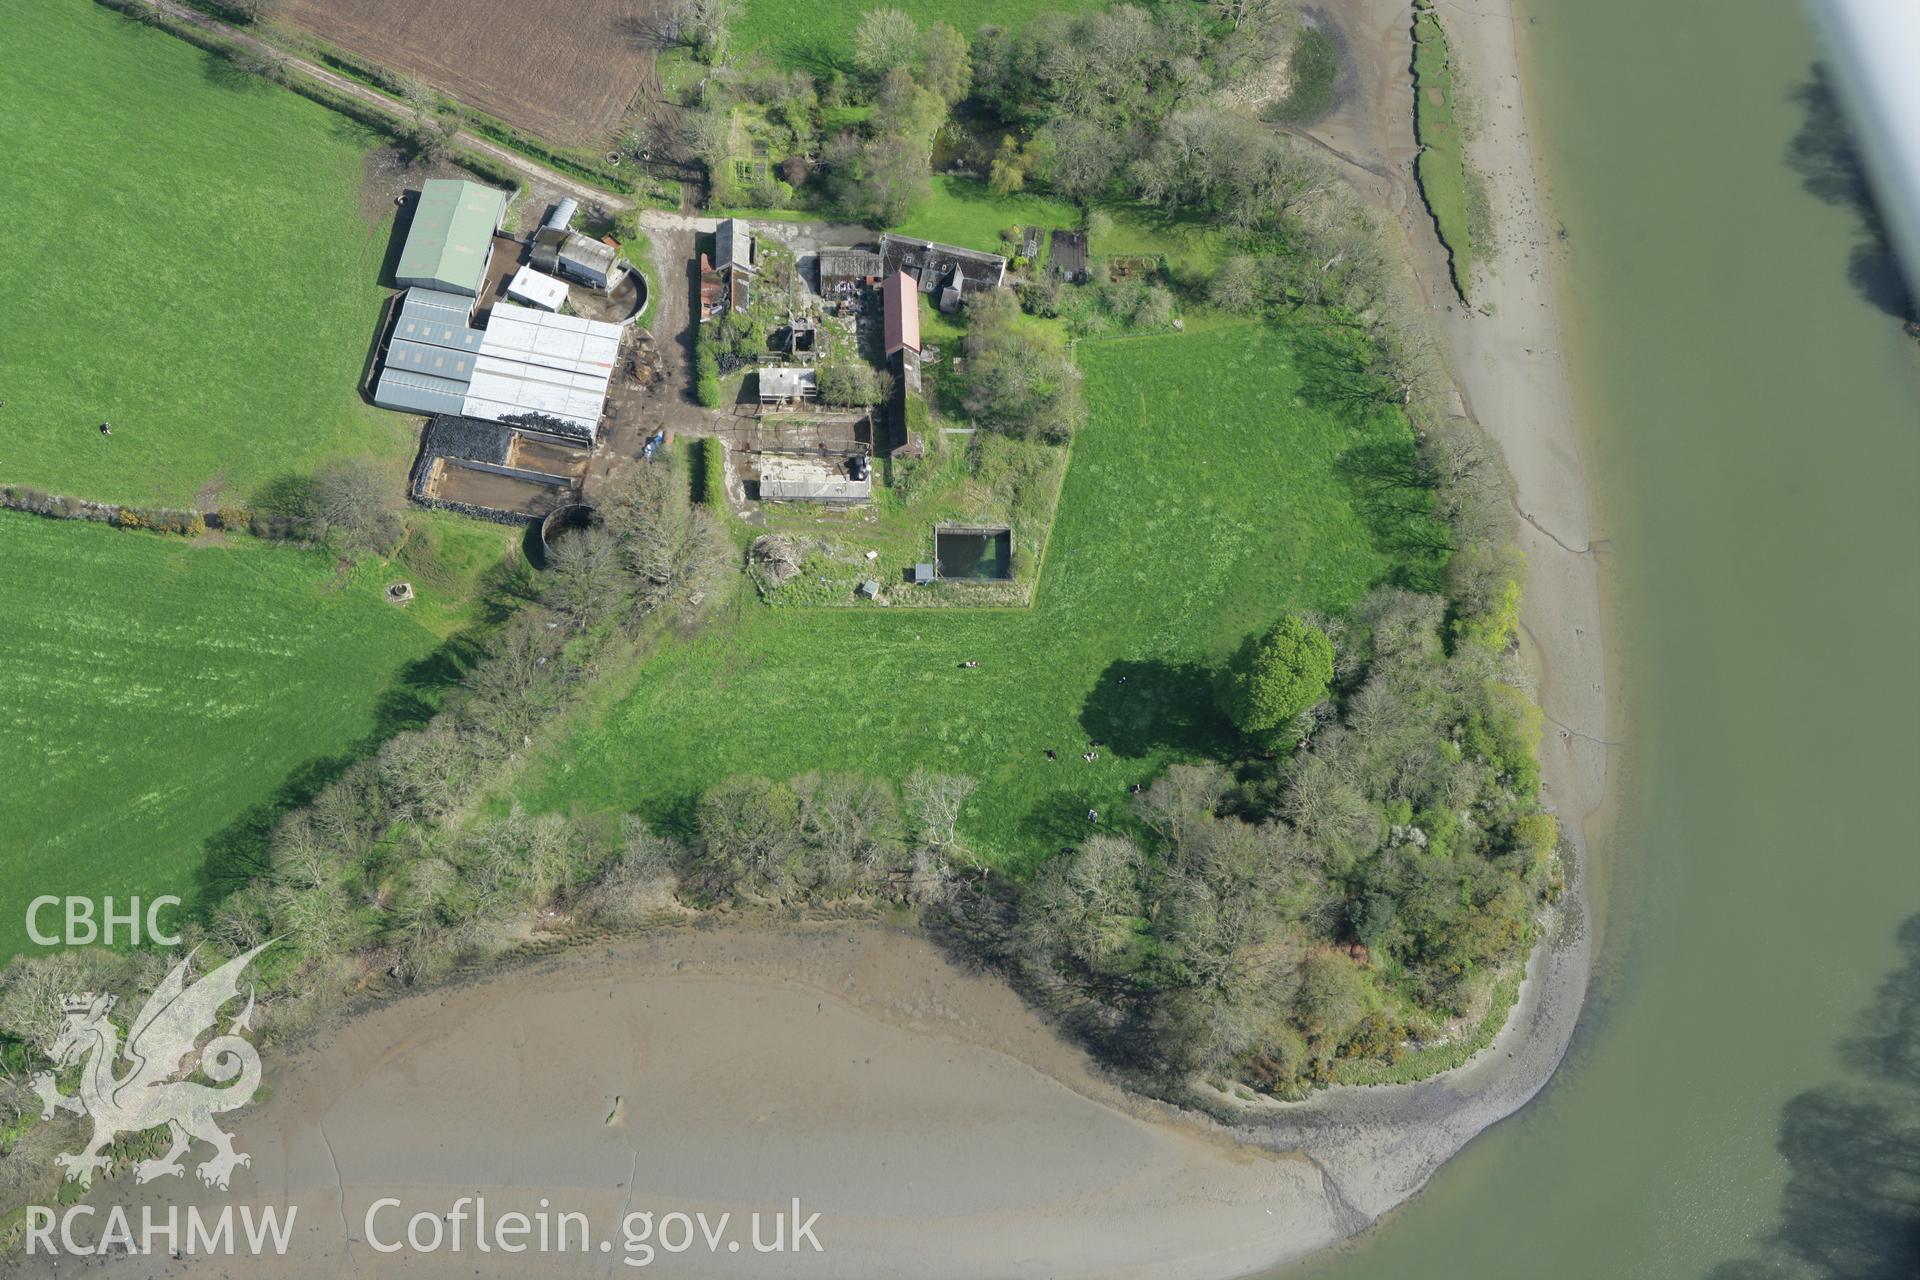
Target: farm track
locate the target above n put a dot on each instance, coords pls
(533, 170)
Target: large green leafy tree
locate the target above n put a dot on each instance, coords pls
(1275, 676)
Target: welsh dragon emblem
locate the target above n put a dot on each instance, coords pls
(160, 1046)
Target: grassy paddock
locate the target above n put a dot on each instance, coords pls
(187, 261)
(987, 479)
(1212, 489)
(965, 212)
(819, 36)
(161, 701)
(1442, 165)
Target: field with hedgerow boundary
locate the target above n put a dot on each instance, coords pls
(163, 703)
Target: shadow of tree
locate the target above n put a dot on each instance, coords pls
(820, 57)
(1140, 705)
(1059, 822)
(1851, 1208)
(1825, 156)
(238, 852)
(676, 815)
(1394, 495)
(287, 494)
(228, 73)
(649, 32)
(411, 700)
(1337, 374)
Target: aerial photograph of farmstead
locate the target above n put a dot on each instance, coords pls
(1049, 639)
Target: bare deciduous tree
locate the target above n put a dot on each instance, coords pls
(705, 26)
(1181, 801)
(353, 504)
(674, 550)
(586, 580)
(933, 803)
(851, 825)
(1084, 904)
(31, 991)
(749, 832)
(885, 40)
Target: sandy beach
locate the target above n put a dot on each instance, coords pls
(936, 1124)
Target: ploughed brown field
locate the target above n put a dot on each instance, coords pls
(562, 69)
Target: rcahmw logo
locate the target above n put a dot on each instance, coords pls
(167, 1030)
(168, 1230)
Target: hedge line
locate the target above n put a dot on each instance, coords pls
(184, 523)
(713, 474)
(706, 368)
(38, 502)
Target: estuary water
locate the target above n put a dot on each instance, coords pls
(1743, 1097)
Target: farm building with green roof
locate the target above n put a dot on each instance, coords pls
(451, 238)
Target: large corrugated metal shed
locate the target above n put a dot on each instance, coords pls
(427, 315)
(430, 355)
(419, 392)
(451, 235)
(423, 357)
(542, 337)
(506, 390)
(526, 366)
(537, 365)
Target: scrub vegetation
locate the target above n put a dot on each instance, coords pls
(1311, 72)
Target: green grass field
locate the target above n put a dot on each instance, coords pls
(158, 699)
(819, 35)
(1210, 491)
(964, 212)
(1442, 163)
(186, 259)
